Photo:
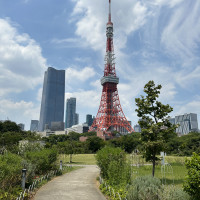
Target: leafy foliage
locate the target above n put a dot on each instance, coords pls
(127, 142)
(112, 162)
(156, 128)
(9, 126)
(43, 160)
(184, 145)
(10, 170)
(192, 185)
(94, 143)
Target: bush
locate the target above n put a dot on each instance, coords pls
(119, 174)
(108, 154)
(173, 193)
(145, 188)
(43, 160)
(10, 170)
(112, 162)
(192, 184)
(150, 188)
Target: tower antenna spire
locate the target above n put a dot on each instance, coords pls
(109, 17)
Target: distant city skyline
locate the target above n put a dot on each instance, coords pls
(153, 41)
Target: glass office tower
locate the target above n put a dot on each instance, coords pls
(53, 95)
(89, 119)
(71, 117)
(34, 125)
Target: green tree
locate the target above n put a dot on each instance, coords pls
(94, 143)
(74, 136)
(156, 128)
(192, 184)
(9, 126)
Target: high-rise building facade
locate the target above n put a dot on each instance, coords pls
(187, 123)
(53, 95)
(71, 117)
(34, 125)
(89, 119)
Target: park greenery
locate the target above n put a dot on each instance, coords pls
(116, 157)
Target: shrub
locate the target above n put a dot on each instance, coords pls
(145, 188)
(192, 184)
(119, 174)
(108, 154)
(43, 160)
(10, 170)
(173, 193)
(112, 162)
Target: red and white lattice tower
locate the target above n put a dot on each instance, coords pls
(110, 116)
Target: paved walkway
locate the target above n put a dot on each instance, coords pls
(76, 185)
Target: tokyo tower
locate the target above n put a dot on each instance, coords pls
(110, 116)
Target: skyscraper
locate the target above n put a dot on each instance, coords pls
(34, 125)
(71, 117)
(89, 119)
(53, 95)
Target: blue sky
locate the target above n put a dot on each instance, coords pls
(153, 39)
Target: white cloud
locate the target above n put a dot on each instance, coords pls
(21, 62)
(20, 112)
(69, 43)
(91, 26)
(86, 98)
(189, 78)
(39, 94)
(182, 34)
(74, 75)
(190, 107)
(170, 3)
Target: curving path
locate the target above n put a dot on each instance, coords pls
(76, 185)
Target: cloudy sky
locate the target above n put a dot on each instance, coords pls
(154, 40)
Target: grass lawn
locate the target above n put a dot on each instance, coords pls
(175, 171)
(174, 174)
(79, 159)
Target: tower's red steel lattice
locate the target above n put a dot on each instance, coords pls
(110, 115)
